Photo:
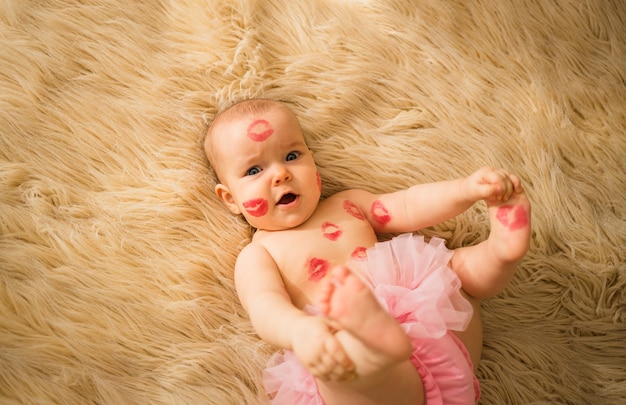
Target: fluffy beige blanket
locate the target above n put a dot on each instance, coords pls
(116, 257)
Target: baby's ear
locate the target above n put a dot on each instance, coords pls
(223, 193)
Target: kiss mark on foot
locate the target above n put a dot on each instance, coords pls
(353, 210)
(317, 269)
(257, 207)
(513, 217)
(260, 130)
(360, 253)
(380, 213)
(331, 231)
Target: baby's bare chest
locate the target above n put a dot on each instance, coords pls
(305, 256)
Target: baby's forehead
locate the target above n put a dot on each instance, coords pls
(244, 125)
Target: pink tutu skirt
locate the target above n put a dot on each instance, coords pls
(412, 281)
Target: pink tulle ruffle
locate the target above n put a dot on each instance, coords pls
(289, 382)
(412, 280)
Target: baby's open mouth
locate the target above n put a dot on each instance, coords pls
(287, 199)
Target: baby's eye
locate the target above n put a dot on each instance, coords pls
(292, 156)
(253, 170)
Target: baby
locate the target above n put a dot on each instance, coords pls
(360, 322)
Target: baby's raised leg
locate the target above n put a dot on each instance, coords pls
(374, 341)
(485, 269)
(351, 304)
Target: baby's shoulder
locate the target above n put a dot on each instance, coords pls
(254, 252)
(352, 201)
(354, 195)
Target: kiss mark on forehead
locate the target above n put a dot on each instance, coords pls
(260, 130)
(353, 210)
(331, 231)
(257, 207)
(512, 217)
(380, 213)
(317, 269)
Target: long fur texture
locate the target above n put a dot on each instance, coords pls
(116, 257)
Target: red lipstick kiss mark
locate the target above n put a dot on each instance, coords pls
(380, 213)
(319, 181)
(257, 207)
(353, 210)
(260, 130)
(360, 253)
(317, 269)
(331, 231)
(513, 217)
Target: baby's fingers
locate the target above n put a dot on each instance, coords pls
(513, 186)
(348, 375)
(334, 347)
(344, 370)
(517, 183)
(325, 367)
(507, 189)
(499, 183)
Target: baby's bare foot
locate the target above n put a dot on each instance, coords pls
(510, 228)
(351, 304)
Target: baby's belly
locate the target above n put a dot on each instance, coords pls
(309, 292)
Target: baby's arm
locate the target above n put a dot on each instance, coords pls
(428, 204)
(279, 323)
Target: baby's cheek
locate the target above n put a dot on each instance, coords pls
(380, 213)
(256, 207)
(319, 181)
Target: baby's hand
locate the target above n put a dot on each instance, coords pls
(491, 184)
(317, 348)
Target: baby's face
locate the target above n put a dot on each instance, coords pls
(266, 169)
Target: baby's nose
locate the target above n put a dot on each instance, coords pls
(281, 175)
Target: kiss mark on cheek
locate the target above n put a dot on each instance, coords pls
(353, 210)
(380, 213)
(360, 253)
(317, 269)
(260, 130)
(331, 231)
(513, 217)
(257, 207)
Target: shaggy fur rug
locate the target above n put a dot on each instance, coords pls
(116, 257)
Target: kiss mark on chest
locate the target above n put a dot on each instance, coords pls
(360, 253)
(513, 217)
(317, 269)
(331, 231)
(380, 213)
(353, 210)
(260, 130)
(257, 207)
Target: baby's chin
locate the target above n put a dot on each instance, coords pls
(276, 227)
(280, 227)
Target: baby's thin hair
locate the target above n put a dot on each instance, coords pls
(245, 107)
